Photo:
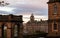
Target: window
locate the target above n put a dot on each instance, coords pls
(55, 26)
(55, 9)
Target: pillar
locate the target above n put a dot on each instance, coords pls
(9, 34)
(20, 30)
(0, 31)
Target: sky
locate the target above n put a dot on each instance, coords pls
(26, 7)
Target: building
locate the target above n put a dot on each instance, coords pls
(43, 25)
(34, 25)
(54, 18)
(11, 26)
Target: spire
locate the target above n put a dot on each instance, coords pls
(40, 19)
(32, 17)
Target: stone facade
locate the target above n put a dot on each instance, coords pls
(7, 26)
(54, 18)
(34, 25)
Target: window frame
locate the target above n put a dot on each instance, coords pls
(55, 9)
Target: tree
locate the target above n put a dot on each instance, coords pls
(2, 3)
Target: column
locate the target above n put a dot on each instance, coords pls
(12, 31)
(20, 30)
(0, 31)
(3, 31)
(9, 30)
(9, 33)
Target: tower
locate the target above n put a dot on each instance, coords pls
(53, 18)
(32, 18)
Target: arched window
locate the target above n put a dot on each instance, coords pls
(55, 9)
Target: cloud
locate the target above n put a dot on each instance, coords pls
(38, 7)
(6, 10)
(24, 11)
(27, 7)
(30, 11)
(34, 3)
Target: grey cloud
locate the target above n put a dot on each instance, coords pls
(31, 10)
(27, 9)
(21, 10)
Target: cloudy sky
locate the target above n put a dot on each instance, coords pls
(26, 7)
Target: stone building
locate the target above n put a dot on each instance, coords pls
(11, 26)
(34, 25)
(54, 18)
(43, 25)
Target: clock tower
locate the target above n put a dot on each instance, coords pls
(54, 18)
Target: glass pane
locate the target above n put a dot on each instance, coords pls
(55, 9)
(55, 26)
